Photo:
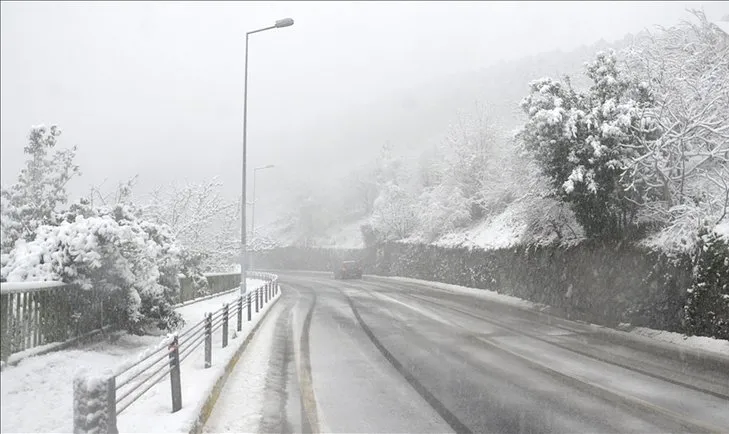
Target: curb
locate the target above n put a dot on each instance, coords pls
(209, 404)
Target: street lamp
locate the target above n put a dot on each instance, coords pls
(286, 22)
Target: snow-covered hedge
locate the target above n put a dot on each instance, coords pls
(707, 307)
(109, 250)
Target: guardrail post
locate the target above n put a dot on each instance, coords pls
(208, 340)
(265, 292)
(225, 325)
(175, 384)
(248, 295)
(256, 300)
(94, 404)
(240, 313)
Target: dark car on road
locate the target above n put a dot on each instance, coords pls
(348, 270)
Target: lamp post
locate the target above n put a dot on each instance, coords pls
(286, 22)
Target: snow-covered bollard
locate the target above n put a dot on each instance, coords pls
(94, 403)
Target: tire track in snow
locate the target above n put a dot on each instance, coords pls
(310, 415)
(438, 406)
(428, 299)
(607, 393)
(273, 418)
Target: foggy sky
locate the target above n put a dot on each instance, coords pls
(156, 89)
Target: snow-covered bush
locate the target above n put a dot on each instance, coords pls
(111, 251)
(707, 307)
(584, 141)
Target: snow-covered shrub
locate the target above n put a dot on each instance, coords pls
(109, 251)
(707, 307)
(583, 142)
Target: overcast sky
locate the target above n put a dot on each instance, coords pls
(156, 89)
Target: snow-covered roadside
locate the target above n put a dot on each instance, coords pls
(680, 341)
(37, 394)
(236, 410)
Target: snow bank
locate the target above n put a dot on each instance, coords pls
(37, 394)
(680, 340)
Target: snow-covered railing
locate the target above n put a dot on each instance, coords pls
(33, 314)
(216, 283)
(98, 400)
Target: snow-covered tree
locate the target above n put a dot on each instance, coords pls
(395, 214)
(442, 208)
(583, 143)
(41, 187)
(684, 174)
(201, 220)
(471, 151)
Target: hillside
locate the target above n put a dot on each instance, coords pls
(416, 120)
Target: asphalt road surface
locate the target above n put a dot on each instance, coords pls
(385, 356)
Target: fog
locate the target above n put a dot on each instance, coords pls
(156, 89)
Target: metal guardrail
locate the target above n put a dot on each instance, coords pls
(98, 403)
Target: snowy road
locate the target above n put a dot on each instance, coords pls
(380, 355)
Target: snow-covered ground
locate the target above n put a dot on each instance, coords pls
(37, 394)
(500, 231)
(235, 411)
(702, 343)
(680, 340)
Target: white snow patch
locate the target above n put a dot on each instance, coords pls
(720, 346)
(236, 410)
(500, 231)
(27, 389)
(722, 229)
